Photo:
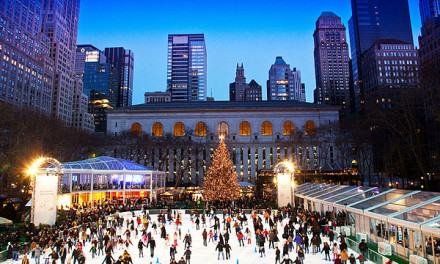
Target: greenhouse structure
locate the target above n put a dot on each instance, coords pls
(404, 222)
(104, 179)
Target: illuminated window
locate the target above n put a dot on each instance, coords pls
(310, 128)
(201, 129)
(288, 128)
(222, 129)
(136, 129)
(157, 130)
(245, 129)
(266, 128)
(179, 129)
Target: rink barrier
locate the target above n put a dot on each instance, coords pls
(372, 255)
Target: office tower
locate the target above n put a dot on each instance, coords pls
(430, 80)
(373, 20)
(390, 67)
(283, 84)
(60, 25)
(100, 83)
(331, 62)
(123, 61)
(253, 92)
(187, 77)
(237, 88)
(26, 68)
(429, 9)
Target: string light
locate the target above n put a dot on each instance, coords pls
(220, 183)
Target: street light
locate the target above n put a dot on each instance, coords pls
(285, 178)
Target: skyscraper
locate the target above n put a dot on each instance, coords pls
(100, 83)
(60, 25)
(237, 88)
(123, 61)
(284, 83)
(429, 9)
(187, 77)
(373, 20)
(26, 68)
(331, 62)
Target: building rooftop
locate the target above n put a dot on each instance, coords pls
(225, 105)
(279, 61)
(103, 163)
(390, 41)
(328, 14)
(253, 83)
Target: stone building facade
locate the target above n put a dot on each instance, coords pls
(258, 134)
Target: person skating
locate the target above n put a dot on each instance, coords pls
(181, 261)
(344, 256)
(240, 238)
(363, 247)
(361, 259)
(335, 251)
(219, 247)
(228, 251)
(187, 255)
(152, 245)
(25, 260)
(326, 250)
(338, 260)
(301, 255)
(352, 259)
(54, 256)
(277, 255)
(205, 237)
(287, 260)
(141, 248)
(173, 252)
(108, 259)
(63, 254)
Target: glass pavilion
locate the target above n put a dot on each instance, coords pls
(105, 178)
(408, 220)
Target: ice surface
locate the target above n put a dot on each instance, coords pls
(200, 254)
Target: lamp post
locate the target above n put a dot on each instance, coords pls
(285, 183)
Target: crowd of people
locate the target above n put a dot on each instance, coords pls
(114, 237)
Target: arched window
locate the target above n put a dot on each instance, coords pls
(288, 128)
(179, 129)
(222, 129)
(136, 129)
(157, 130)
(310, 128)
(201, 129)
(245, 129)
(266, 128)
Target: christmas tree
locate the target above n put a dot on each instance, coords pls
(220, 183)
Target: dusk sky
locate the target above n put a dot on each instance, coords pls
(249, 32)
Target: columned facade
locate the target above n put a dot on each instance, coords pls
(258, 135)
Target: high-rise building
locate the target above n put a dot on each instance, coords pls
(373, 20)
(331, 62)
(430, 80)
(100, 83)
(60, 25)
(187, 77)
(81, 119)
(284, 84)
(390, 67)
(123, 61)
(429, 9)
(237, 88)
(27, 71)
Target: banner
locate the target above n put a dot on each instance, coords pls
(284, 189)
(45, 200)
